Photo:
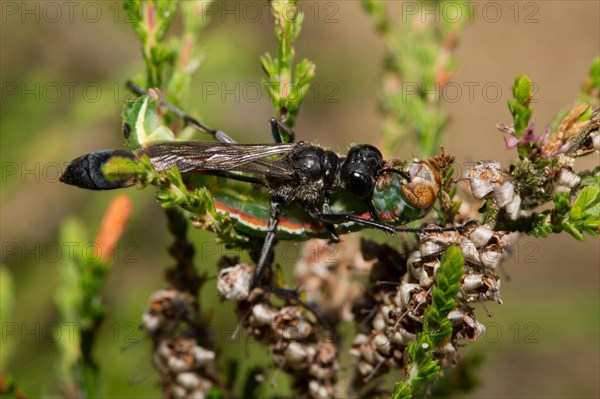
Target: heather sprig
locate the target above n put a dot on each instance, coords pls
(286, 84)
(418, 64)
(79, 298)
(414, 311)
(544, 172)
(150, 20)
(420, 366)
(170, 64)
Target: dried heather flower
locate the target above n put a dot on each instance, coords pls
(184, 367)
(294, 343)
(325, 272)
(558, 142)
(262, 314)
(183, 354)
(481, 235)
(596, 141)
(235, 282)
(484, 177)
(166, 309)
(398, 311)
(564, 181)
(488, 177)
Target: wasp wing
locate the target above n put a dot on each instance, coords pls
(201, 156)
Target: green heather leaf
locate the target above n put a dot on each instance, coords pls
(591, 225)
(401, 391)
(70, 294)
(452, 264)
(215, 393)
(133, 10)
(519, 105)
(378, 14)
(591, 180)
(267, 63)
(296, 24)
(420, 366)
(542, 225)
(165, 12)
(305, 72)
(571, 229)
(593, 210)
(588, 198)
(561, 204)
(521, 90)
(584, 215)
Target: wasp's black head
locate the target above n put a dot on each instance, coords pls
(360, 170)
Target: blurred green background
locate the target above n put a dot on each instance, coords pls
(63, 65)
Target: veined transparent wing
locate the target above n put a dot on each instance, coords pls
(202, 156)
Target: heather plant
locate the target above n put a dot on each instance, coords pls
(408, 319)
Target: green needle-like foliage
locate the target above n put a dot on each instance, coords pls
(591, 86)
(420, 366)
(285, 84)
(519, 104)
(150, 21)
(78, 300)
(543, 158)
(584, 215)
(419, 62)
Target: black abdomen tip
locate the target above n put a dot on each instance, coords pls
(85, 172)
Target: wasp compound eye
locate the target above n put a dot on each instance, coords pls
(359, 185)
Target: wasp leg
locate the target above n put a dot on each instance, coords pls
(373, 212)
(337, 218)
(276, 132)
(219, 135)
(266, 253)
(335, 238)
(294, 295)
(235, 176)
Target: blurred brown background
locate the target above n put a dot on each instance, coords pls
(62, 92)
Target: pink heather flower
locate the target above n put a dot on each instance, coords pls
(529, 136)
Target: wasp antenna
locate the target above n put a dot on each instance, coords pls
(189, 120)
(380, 283)
(142, 378)
(130, 345)
(375, 370)
(489, 314)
